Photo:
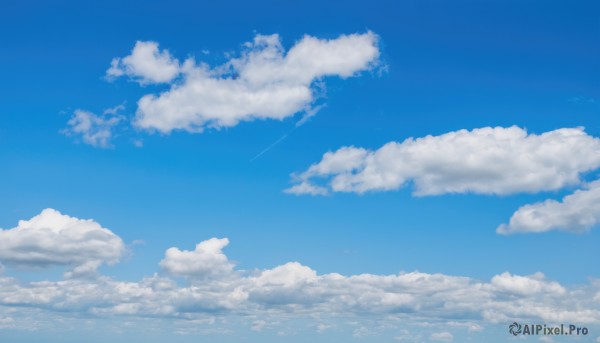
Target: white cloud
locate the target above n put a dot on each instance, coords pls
(286, 276)
(442, 336)
(95, 130)
(52, 238)
(265, 82)
(428, 296)
(146, 64)
(306, 187)
(485, 161)
(270, 297)
(207, 260)
(577, 212)
(526, 285)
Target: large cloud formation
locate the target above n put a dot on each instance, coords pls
(294, 288)
(265, 82)
(214, 288)
(484, 161)
(51, 238)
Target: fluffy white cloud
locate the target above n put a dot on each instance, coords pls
(298, 287)
(577, 212)
(526, 285)
(287, 275)
(146, 64)
(52, 238)
(207, 260)
(95, 130)
(265, 82)
(266, 298)
(485, 161)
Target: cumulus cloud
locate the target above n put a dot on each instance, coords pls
(526, 285)
(207, 260)
(484, 161)
(265, 82)
(293, 290)
(95, 130)
(577, 212)
(51, 238)
(266, 299)
(146, 64)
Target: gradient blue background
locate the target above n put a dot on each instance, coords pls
(452, 65)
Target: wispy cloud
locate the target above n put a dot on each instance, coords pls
(92, 129)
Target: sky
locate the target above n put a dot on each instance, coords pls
(266, 171)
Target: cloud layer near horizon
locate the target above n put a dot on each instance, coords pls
(213, 287)
(265, 82)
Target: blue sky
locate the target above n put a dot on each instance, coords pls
(437, 67)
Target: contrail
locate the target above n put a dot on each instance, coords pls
(274, 144)
(307, 115)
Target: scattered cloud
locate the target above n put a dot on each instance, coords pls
(51, 238)
(483, 161)
(265, 82)
(114, 110)
(577, 212)
(95, 130)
